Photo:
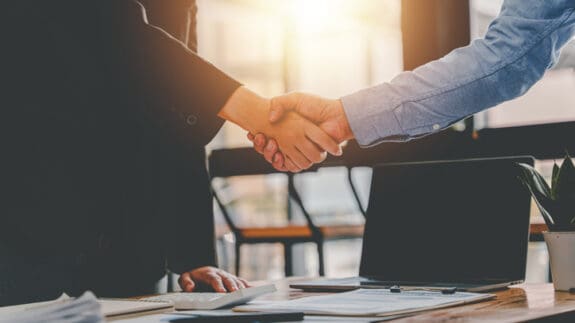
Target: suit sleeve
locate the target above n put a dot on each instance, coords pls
(192, 239)
(166, 72)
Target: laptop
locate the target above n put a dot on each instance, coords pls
(459, 225)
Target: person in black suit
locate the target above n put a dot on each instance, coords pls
(105, 113)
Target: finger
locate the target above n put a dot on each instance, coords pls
(298, 158)
(240, 283)
(280, 105)
(289, 164)
(311, 151)
(278, 162)
(270, 150)
(250, 137)
(186, 282)
(229, 283)
(324, 141)
(245, 282)
(260, 141)
(216, 282)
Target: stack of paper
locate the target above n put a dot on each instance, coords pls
(370, 302)
(84, 309)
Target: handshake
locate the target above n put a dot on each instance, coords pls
(326, 114)
(292, 131)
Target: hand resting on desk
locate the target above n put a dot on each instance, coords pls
(219, 280)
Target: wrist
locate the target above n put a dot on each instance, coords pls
(246, 109)
(343, 123)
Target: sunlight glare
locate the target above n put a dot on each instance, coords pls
(316, 15)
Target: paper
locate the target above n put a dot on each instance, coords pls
(84, 309)
(113, 307)
(370, 302)
(165, 318)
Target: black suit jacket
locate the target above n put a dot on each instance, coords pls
(105, 112)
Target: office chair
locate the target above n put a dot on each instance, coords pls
(253, 164)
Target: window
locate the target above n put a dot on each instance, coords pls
(327, 47)
(549, 100)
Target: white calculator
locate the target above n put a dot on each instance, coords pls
(211, 301)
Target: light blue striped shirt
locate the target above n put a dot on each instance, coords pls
(519, 46)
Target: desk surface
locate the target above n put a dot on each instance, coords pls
(516, 304)
(519, 303)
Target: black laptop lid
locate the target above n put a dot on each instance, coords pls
(453, 221)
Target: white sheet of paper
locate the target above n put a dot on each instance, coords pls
(370, 302)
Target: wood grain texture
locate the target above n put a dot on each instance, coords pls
(519, 303)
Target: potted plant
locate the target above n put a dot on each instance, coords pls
(557, 206)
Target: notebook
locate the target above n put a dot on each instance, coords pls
(443, 224)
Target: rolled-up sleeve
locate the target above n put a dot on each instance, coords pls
(520, 44)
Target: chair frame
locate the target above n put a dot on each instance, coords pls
(260, 167)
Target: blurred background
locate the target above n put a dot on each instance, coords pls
(333, 48)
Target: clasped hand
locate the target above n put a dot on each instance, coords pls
(303, 127)
(326, 114)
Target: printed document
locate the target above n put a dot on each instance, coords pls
(370, 302)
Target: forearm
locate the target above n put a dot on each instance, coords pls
(246, 109)
(517, 49)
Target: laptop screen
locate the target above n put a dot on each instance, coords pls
(454, 221)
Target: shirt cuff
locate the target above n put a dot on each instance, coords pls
(372, 118)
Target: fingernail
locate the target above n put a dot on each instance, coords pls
(276, 158)
(271, 146)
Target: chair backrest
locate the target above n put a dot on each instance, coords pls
(244, 162)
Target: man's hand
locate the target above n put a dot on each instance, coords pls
(219, 280)
(302, 142)
(326, 113)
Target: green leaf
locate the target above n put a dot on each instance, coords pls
(554, 180)
(565, 180)
(545, 205)
(534, 180)
(540, 192)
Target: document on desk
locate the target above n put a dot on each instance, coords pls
(370, 302)
(85, 309)
(65, 307)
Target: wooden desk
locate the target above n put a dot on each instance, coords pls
(519, 303)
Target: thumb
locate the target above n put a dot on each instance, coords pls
(280, 105)
(187, 283)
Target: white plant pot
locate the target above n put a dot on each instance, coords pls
(561, 246)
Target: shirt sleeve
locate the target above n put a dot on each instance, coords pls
(188, 91)
(520, 44)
